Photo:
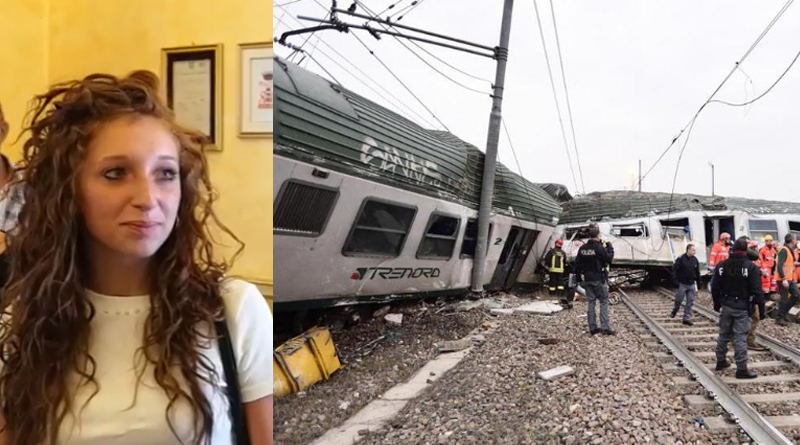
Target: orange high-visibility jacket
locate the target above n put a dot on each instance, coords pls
(719, 253)
(788, 266)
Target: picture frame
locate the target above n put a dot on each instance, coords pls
(192, 77)
(257, 91)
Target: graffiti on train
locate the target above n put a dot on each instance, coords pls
(394, 273)
(390, 159)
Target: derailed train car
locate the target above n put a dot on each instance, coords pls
(649, 230)
(369, 206)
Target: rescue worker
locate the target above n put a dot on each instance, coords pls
(555, 260)
(766, 258)
(754, 254)
(785, 276)
(686, 274)
(736, 289)
(720, 250)
(591, 267)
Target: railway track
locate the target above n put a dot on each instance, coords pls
(752, 405)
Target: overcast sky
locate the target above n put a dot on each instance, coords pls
(636, 72)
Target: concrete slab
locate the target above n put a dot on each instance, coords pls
(555, 373)
(697, 400)
(540, 307)
(501, 311)
(371, 417)
(756, 365)
(719, 424)
(730, 380)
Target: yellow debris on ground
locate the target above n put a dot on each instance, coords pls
(304, 361)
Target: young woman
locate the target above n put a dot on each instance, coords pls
(108, 335)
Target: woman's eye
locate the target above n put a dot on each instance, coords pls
(113, 173)
(168, 174)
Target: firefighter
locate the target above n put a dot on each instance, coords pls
(736, 290)
(591, 265)
(755, 255)
(720, 251)
(555, 260)
(766, 257)
(785, 276)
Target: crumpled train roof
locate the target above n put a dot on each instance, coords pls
(599, 206)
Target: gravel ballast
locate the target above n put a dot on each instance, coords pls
(618, 393)
(372, 367)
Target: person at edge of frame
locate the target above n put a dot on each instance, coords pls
(736, 289)
(786, 278)
(591, 267)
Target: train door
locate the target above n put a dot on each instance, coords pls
(515, 251)
(714, 227)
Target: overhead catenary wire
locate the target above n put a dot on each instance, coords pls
(555, 97)
(733, 70)
(409, 110)
(566, 94)
(744, 104)
(488, 93)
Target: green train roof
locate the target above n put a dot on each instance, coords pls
(323, 123)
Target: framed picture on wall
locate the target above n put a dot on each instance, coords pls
(257, 95)
(193, 84)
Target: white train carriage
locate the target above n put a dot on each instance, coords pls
(370, 207)
(648, 230)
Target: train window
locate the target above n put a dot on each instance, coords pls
(380, 230)
(678, 228)
(471, 238)
(630, 231)
(440, 238)
(759, 228)
(577, 233)
(794, 227)
(303, 209)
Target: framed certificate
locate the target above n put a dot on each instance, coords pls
(193, 78)
(257, 94)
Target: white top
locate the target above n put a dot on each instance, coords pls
(117, 415)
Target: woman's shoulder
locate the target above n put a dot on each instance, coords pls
(241, 298)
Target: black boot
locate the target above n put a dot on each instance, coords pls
(672, 314)
(608, 332)
(723, 365)
(744, 373)
(688, 322)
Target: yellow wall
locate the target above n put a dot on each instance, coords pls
(65, 39)
(23, 61)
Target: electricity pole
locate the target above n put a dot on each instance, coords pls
(640, 175)
(490, 161)
(712, 178)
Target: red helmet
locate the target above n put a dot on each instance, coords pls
(559, 242)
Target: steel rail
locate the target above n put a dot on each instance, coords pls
(778, 347)
(748, 419)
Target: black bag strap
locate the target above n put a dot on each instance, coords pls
(238, 422)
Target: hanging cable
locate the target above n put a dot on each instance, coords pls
(555, 97)
(400, 81)
(733, 70)
(743, 104)
(566, 93)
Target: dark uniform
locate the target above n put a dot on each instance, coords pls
(555, 261)
(736, 290)
(591, 266)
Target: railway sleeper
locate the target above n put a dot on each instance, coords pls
(695, 400)
(718, 424)
(779, 378)
(754, 365)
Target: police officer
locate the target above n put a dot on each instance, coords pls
(736, 289)
(591, 264)
(555, 260)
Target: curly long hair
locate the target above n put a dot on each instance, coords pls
(44, 335)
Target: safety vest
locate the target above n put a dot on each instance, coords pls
(719, 253)
(788, 266)
(767, 257)
(557, 262)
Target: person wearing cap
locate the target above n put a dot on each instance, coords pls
(686, 275)
(766, 258)
(720, 250)
(785, 276)
(555, 260)
(736, 291)
(591, 267)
